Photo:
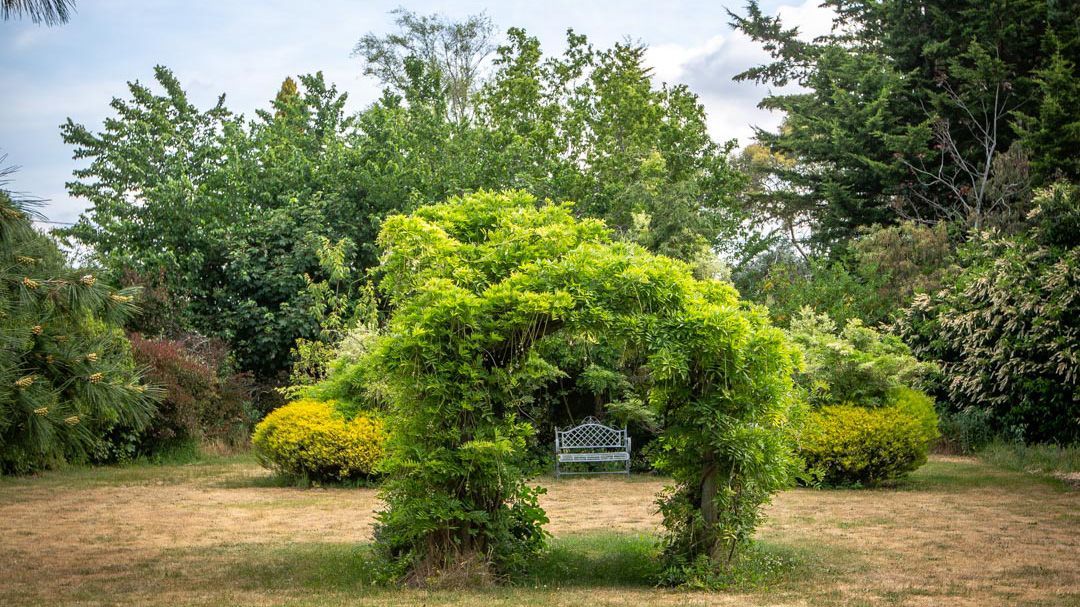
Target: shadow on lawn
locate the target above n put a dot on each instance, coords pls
(589, 560)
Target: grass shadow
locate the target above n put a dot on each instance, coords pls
(594, 559)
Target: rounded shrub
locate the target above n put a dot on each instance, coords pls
(846, 445)
(310, 439)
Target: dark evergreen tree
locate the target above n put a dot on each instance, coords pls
(910, 107)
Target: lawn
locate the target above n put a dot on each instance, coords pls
(219, 532)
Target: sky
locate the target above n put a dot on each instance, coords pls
(245, 48)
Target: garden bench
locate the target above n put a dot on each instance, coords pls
(591, 442)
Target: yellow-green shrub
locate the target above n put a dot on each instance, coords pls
(310, 439)
(844, 445)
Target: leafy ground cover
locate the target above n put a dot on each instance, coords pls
(959, 532)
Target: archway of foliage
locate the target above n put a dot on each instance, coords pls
(477, 285)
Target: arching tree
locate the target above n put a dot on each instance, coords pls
(477, 284)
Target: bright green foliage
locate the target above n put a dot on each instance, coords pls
(481, 287)
(66, 372)
(845, 444)
(590, 126)
(1006, 334)
(312, 440)
(855, 366)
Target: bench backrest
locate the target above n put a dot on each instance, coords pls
(590, 434)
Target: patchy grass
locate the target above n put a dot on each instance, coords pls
(1055, 461)
(217, 532)
(141, 472)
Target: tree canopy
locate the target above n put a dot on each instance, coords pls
(917, 110)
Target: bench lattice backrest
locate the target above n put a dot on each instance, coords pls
(591, 434)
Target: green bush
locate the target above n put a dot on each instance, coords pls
(311, 440)
(856, 366)
(844, 445)
(488, 293)
(965, 431)
(870, 425)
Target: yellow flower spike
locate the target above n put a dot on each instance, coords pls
(36, 329)
(41, 411)
(120, 298)
(50, 359)
(23, 259)
(71, 421)
(88, 280)
(92, 357)
(25, 382)
(96, 377)
(30, 283)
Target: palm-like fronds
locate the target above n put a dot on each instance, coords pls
(49, 12)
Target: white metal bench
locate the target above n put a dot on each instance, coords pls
(591, 442)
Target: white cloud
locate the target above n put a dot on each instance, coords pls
(708, 68)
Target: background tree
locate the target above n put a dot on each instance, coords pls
(454, 50)
(179, 205)
(908, 107)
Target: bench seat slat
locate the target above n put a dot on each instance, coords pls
(620, 456)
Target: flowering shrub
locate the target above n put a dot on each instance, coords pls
(309, 439)
(1006, 333)
(844, 444)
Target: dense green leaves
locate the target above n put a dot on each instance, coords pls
(233, 213)
(856, 365)
(482, 287)
(907, 106)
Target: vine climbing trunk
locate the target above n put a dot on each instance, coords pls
(710, 482)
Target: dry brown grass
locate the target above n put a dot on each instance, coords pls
(961, 533)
